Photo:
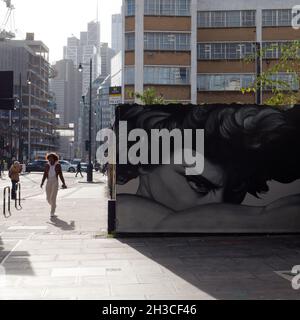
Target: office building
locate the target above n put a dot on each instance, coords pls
(116, 32)
(106, 54)
(28, 59)
(194, 51)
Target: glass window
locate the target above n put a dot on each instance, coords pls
(184, 7)
(270, 50)
(218, 51)
(273, 50)
(152, 7)
(233, 19)
(290, 79)
(277, 17)
(248, 18)
(218, 19)
(226, 50)
(130, 7)
(224, 82)
(229, 19)
(129, 75)
(284, 17)
(203, 19)
(129, 41)
(167, 75)
(167, 41)
(168, 7)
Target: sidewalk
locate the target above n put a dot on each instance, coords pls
(67, 260)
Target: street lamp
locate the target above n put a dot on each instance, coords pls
(29, 83)
(90, 165)
(20, 103)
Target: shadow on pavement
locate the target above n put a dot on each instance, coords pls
(63, 225)
(228, 267)
(16, 263)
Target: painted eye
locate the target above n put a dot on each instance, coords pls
(199, 188)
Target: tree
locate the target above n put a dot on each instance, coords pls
(148, 97)
(285, 91)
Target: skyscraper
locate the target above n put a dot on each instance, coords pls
(67, 86)
(106, 56)
(83, 49)
(116, 32)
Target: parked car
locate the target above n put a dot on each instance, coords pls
(36, 166)
(75, 162)
(67, 166)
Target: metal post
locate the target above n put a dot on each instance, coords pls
(11, 135)
(29, 123)
(18, 197)
(4, 201)
(20, 120)
(90, 166)
(258, 73)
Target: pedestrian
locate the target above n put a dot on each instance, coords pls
(14, 175)
(79, 170)
(1, 168)
(52, 171)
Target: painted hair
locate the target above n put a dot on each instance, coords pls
(253, 144)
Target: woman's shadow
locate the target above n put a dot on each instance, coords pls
(63, 225)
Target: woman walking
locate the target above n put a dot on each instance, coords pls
(52, 171)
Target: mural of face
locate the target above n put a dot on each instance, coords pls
(169, 186)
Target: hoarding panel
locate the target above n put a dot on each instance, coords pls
(250, 181)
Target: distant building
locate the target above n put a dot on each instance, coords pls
(29, 59)
(116, 32)
(117, 70)
(83, 49)
(67, 87)
(106, 56)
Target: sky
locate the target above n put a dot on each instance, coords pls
(53, 21)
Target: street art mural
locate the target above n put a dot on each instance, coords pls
(207, 169)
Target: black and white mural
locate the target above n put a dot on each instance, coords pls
(244, 177)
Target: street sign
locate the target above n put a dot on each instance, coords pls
(7, 101)
(115, 95)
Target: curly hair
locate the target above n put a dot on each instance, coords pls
(54, 155)
(254, 144)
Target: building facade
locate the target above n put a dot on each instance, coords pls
(106, 54)
(194, 51)
(28, 59)
(116, 32)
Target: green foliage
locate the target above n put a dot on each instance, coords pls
(283, 92)
(148, 97)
